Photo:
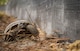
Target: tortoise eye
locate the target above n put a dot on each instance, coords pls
(27, 23)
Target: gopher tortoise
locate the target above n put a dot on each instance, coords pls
(20, 27)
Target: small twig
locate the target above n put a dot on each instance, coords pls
(3, 34)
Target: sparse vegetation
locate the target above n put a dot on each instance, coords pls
(3, 2)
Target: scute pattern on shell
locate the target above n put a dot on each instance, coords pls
(14, 23)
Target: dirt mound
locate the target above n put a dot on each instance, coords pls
(60, 44)
(29, 45)
(5, 20)
(74, 46)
